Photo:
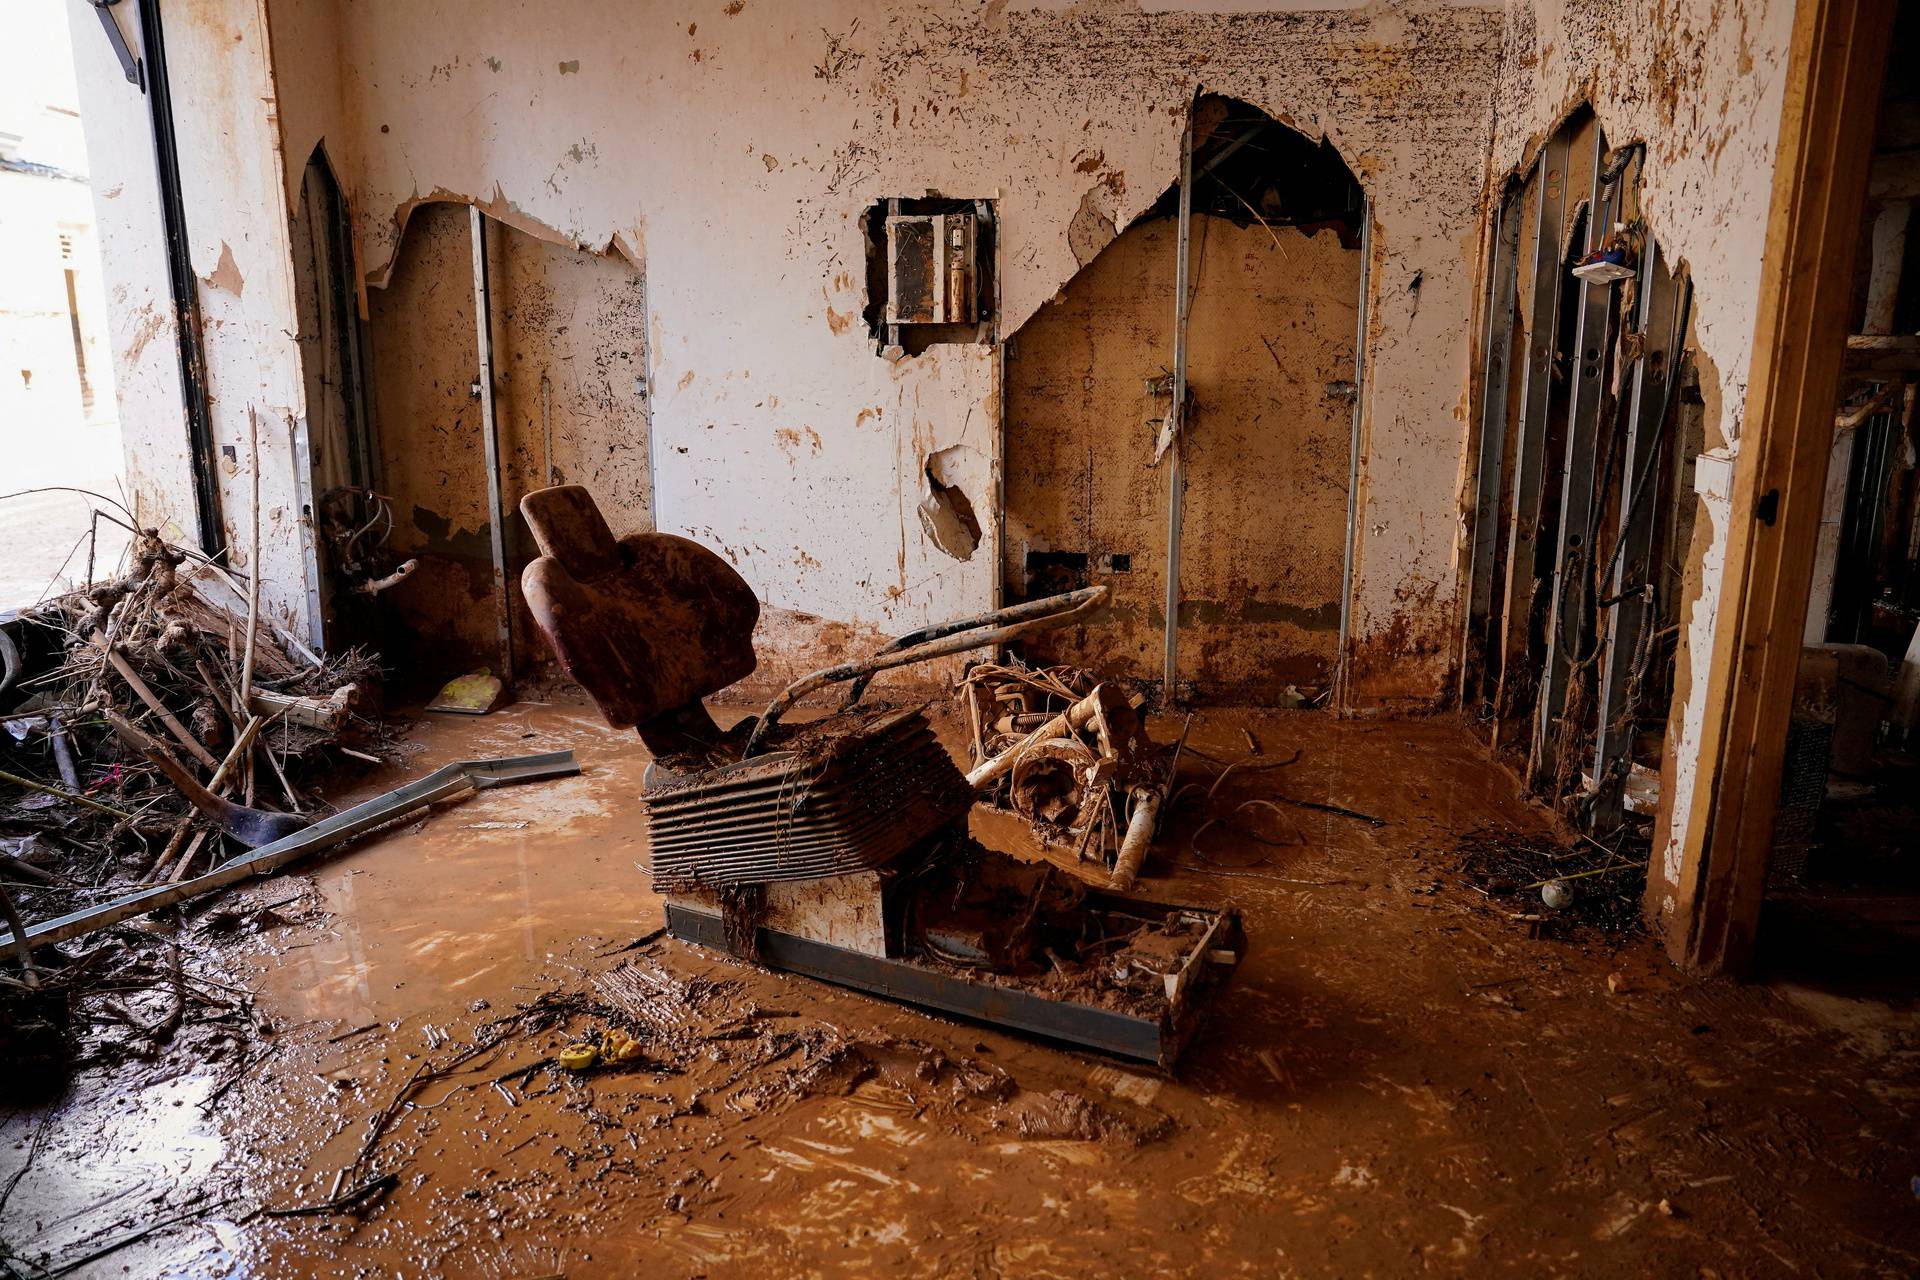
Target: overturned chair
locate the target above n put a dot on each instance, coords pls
(836, 848)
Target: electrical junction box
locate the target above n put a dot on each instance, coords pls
(933, 274)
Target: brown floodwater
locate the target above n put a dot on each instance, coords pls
(1397, 1080)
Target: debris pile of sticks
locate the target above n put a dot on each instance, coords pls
(1068, 753)
(153, 725)
(1555, 886)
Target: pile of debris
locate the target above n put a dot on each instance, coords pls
(1069, 754)
(150, 732)
(1556, 887)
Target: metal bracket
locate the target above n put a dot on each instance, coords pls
(129, 62)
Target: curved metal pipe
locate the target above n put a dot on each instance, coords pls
(937, 641)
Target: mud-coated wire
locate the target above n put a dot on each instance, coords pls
(1193, 841)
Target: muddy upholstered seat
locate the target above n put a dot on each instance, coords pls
(647, 624)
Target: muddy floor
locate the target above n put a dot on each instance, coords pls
(1399, 1080)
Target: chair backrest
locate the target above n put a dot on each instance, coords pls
(646, 624)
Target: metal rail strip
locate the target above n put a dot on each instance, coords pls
(1491, 456)
(441, 784)
(1342, 666)
(1572, 554)
(1530, 438)
(1635, 577)
(490, 443)
(1177, 422)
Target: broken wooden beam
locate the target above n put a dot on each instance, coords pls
(317, 713)
(1883, 352)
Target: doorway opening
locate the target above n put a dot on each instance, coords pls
(339, 497)
(60, 439)
(570, 403)
(1274, 271)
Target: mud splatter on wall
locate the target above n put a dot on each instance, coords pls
(753, 267)
(575, 319)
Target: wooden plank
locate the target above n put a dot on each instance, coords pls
(318, 713)
(1819, 188)
(1883, 353)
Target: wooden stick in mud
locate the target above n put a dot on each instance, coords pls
(253, 590)
(174, 841)
(186, 859)
(21, 952)
(146, 695)
(74, 796)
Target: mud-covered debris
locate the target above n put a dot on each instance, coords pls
(1060, 1114)
(1556, 886)
(110, 689)
(1068, 753)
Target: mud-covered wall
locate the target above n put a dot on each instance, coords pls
(731, 146)
(1271, 333)
(570, 400)
(1702, 83)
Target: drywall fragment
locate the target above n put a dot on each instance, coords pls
(946, 513)
(226, 273)
(1091, 230)
(1096, 222)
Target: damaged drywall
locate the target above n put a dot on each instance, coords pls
(1271, 332)
(947, 513)
(745, 206)
(1701, 82)
(571, 399)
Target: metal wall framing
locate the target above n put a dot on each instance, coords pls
(490, 441)
(1478, 640)
(1573, 531)
(1530, 434)
(1574, 477)
(1633, 583)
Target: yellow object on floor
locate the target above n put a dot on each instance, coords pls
(578, 1057)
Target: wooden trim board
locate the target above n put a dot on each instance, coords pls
(1820, 181)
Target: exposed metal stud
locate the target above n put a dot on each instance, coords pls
(1573, 533)
(490, 441)
(1663, 322)
(1176, 480)
(1530, 439)
(1496, 373)
(1353, 450)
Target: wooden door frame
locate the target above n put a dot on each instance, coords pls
(1836, 64)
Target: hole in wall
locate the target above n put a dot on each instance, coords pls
(1269, 421)
(946, 512)
(1249, 168)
